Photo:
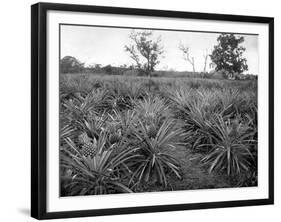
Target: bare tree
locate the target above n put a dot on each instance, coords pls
(187, 56)
(145, 51)
(205, 56)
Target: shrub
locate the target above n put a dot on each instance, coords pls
(101, 173)
(155, 162)
(152, 110)
(231, 150)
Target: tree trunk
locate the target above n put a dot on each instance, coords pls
(193, 65)
(149, 81)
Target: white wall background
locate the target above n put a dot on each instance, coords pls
(15, 109)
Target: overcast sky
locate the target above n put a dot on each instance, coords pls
(102, 45)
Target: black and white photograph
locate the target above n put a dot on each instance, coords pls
(147, 110)
(151, 110)
(140, 110)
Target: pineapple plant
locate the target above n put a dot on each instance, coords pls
(115, 137)
(152, 131)
(89, 146)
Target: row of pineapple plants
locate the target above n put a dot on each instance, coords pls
(119, 137)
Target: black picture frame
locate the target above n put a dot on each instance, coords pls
(39, 109)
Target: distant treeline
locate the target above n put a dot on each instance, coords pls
(70, 64)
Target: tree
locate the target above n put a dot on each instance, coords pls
(227, 55)
(187, 56)
(69, 64)
(145, 51)
(108, 69)
(205, 56)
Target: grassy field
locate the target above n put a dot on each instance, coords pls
(135, 134)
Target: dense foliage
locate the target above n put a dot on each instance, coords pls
(70, 64)
(227, 55)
